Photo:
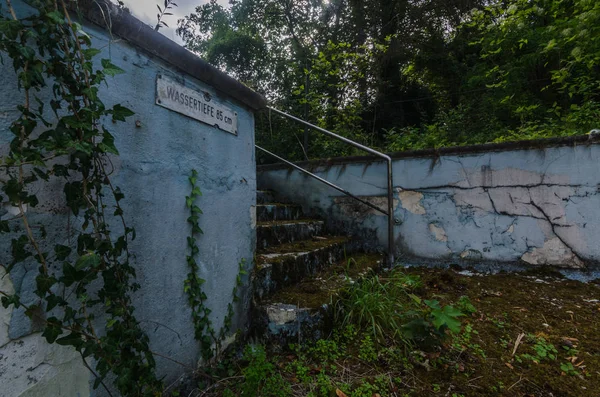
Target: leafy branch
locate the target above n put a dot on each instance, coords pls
(162, 12)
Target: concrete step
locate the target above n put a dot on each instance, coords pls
(287, 264)
(265, 196)
(304, 311)
(278, 212)
(269, 234)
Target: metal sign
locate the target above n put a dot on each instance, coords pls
(194, 104)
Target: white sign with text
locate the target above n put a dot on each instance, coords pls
(194, 104)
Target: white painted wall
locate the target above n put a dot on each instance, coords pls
(527, 206)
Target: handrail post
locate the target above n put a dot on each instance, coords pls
(391, 220)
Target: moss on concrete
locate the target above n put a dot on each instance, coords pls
(286, 222)
(321, 289)
(301, 246)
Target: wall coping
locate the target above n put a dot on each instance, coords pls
(534, 144)
(121, 23)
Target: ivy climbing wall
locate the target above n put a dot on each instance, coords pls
(158, 149)
(527, 204)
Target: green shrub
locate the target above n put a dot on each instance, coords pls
(387, 308)
(260, 376)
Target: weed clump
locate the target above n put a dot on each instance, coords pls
(389, 310)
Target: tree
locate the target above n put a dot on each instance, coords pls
(400, 74)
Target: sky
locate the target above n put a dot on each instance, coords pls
(145, 10)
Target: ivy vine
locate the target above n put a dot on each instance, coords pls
(203, 331)
(91, 275)
(210, 341)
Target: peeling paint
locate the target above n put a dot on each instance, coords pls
(411, 201)
(6, 286)
(536, 206)
(438, 232)
(30, 367)
(555, 253)
(282, 314)
(471, 254)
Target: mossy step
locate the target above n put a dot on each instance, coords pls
(269, 234)
(303, 311)
(265, 196)
(317, 291)
(287, 264)
(277, 212)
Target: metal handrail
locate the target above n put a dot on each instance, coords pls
(388, 159)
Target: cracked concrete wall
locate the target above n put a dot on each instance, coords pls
(152, 170)
(530, 206)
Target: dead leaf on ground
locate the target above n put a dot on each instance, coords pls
(340, 393)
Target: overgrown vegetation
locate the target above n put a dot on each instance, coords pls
(387, 309)
(499, 348)
(210, 340)
(404, 74)
(89, 273)
(85, 278)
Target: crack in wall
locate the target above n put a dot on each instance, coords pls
(553, 227)
(525, 186)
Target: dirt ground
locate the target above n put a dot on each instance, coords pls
(540, 306)
(527, 334)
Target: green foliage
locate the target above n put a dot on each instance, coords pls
(402, 75)
(465, 305)
(569, 369)
(192, 286)
(444, 317)
(388, 309)
(261, 377)
(367, 351)
(163, 12)
(463, 341)
(541, 350)
(324, 351)
(91, 275)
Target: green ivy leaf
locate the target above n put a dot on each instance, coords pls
(111, 69)
(120, 113)
(52, 301)
(56, 17)
(52, 330)
(71, 275)
(89, 53)
(11, 300)
(18, 249)
(108, 144)
(4, 227)
(44, 283)
(62, 252)
(73, 339)
(91, 260)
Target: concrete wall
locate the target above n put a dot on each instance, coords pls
(155, 161)
(519, 206)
